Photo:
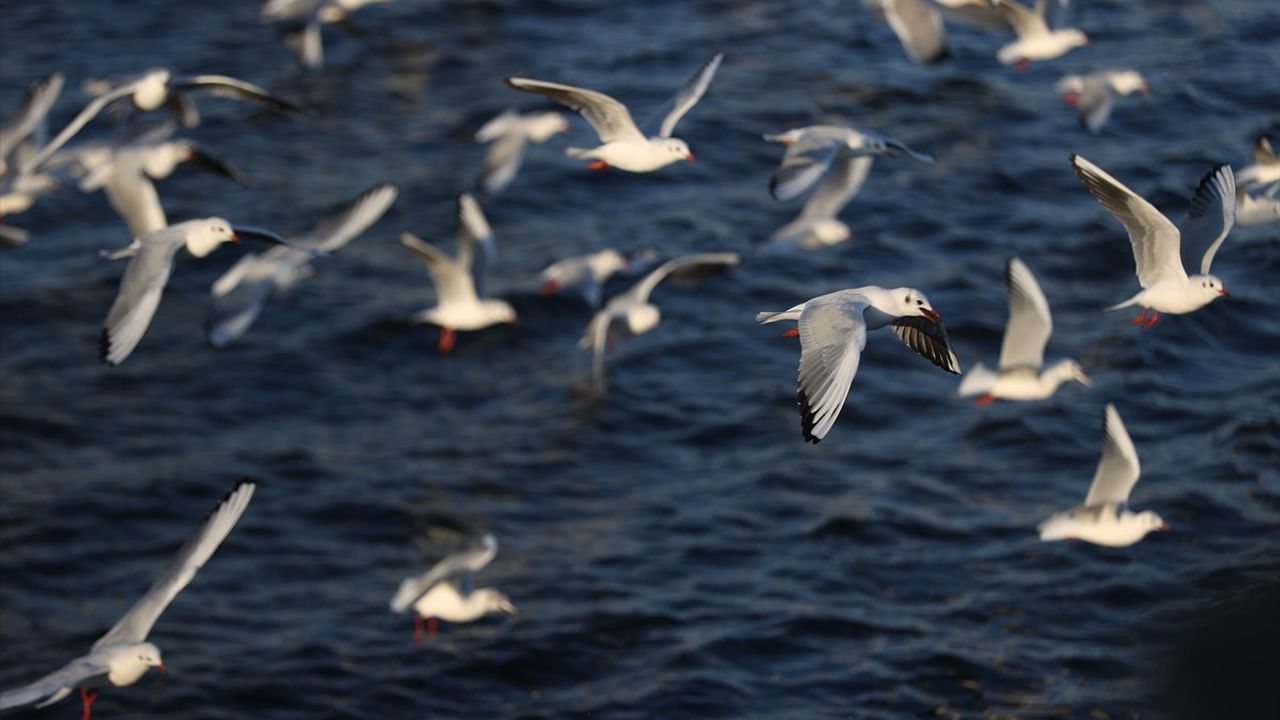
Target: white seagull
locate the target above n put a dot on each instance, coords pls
(633, 309)
(817, 226)
(1035, 40)
(1094, 94)
(20, 137)
(509, 135)
(918, 25)
(624, 145)
(445, 591)
(1156, 241)
(148, 271)
(460, 282)
(160, 87)
(833, 331)
(1258, 187)
(1020, 376)
(1105, 518)
(30, 118)
(238, 295)
(812, 150)
(123, 655)
(583, 275)
(303, 20)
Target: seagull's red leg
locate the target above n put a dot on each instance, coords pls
(87, 697)
(986, 400)
(793, 332)
(433, 627)
(419, 630)
(447, 339)
(598, 165)
(1155, 317)
(1141, 318)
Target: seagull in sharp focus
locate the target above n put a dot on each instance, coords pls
(1019, 376)
(460, 282)
(1035, 40)
(1105, 518)
(122, 656)
(812, 150)
(162, 88)
(149, 268)
(238, 295)
(509, 134)
(1094, 95)
(624, 145)
(633, 309)
(445, 591)
(1156, 241)
(833, 331)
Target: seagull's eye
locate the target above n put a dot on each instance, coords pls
(920, 302)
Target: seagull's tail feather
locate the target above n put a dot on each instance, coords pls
(977, 381)
(577, 152)
(776, 316)
(1127, 303)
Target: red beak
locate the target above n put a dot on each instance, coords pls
(234, 238)
(1165, 527)
(931, 315)
(690, 157)
(1223, 292)
(549, 288)
(1072, 99)
(163, 668)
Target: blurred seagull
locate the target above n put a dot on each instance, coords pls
(160, 87)
(303, 20)
(122, 656)
(1156, 241)
(509, 134)
(1105, 518)
(918, 25)
(1258, 187)
(1035, 40)
(238, 295)
(817, 226)
(29, 120)
(584, 275)
(445, 591)
(148, 272)
(812, 150)
(20, 137)
(1265, 168)
(833, 331)
(624, 145)
(633, 308)
(460, 282)
(1020, 376)
(1094, 94)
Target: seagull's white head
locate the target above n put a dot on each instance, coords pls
(1148, 521)
(606, 263)
(152, 90)
(1209, 287)
(131, 661)
(543, 126)
(499, 311)
(1072, 37)
(908, 302)
(643, 318)
(207, 235)
(676, 147)
(830, 232)
(160, 162)
(494, 601)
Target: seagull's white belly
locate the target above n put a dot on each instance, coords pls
(1045, 47)
(1175, 298)
(635, 156)
(1022, 386)
(457, 317)
(1100, 528)
(126, 673)
(444, 602)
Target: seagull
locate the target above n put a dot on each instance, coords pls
(1105, 518)
(1020, 376)
(584, 275)
(509, 134)
(1095, 94)
(833, 331)
(445, 592)
(148, 271)
(812, 150)
(460, 291)
(303, 20)
(633, 308)
(160, 87)
(125, 173)
(918, 25)
(817, 226)
(20, 136)
(1258, 187)
(30, 117)
(1035, 40)
(1156, 240)
(1265, 168)
(624, 145)
(238, 295)
(122, 656)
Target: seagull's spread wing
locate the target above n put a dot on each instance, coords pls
(89, 112)
(505, 157)
(1030, 324)
(56, 685)
(134, 626)
(452, 280)
(1155, 240)
(664, 123)
(698, 263)
(239, 294)
(1118, 469)
(139, 296)
(610, 118)
(229, 87)
(454, 565)
(1095, 102)
(1024, 21)
(841, 185)
(804, 162)
(832, 336)
(918, 25)
(1211, 216)
(31, 114)
(134, 197)
(359, 215)
(476, 248)
(929, 339)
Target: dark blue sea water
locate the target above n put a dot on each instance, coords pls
(677, 550)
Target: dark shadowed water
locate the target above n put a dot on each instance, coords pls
(676, 551)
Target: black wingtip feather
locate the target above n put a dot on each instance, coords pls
(104, 347)
(806, 418)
